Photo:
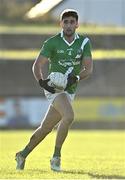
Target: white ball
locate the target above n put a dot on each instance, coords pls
(59, 80)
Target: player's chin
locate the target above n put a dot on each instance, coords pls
(69, 33)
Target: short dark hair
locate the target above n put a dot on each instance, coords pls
(69, 12)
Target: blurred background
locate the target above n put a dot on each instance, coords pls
(25, 25)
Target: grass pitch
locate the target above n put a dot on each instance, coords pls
(85, 155)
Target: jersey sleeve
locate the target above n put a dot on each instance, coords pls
(46, 49)
(87, 50)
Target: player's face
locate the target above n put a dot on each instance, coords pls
(69, 25)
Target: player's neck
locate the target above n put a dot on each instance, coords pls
(69, 39)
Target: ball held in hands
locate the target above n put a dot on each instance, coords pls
(58, 80)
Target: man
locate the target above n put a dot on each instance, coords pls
(64, 50)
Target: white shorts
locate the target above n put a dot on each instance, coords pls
(50, 97)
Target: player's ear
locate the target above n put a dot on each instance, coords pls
(77, 25)
(61, 23)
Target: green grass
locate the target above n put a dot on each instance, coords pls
(52, 29)
(85, 155)
(31, 54)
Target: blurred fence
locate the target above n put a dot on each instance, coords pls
(16, 79)
(90, 113)
(22, 104)
(34, 41)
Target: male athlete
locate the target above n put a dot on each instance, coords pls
(64, 50)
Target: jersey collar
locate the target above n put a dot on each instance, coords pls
(69, 44)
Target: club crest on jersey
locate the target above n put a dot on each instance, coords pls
(70, 51)
(79, 54)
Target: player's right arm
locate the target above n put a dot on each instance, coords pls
(37, 69)
(38, 65)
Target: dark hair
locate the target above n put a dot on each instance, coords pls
(69, 12)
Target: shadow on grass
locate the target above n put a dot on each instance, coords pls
(103, 176)
(37, 171)
(92, 175)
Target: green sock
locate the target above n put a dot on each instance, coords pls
(57, 152)
(25, 152)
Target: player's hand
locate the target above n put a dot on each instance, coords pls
(72, 79)
(44, 84)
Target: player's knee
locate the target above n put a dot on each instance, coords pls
(69, 117)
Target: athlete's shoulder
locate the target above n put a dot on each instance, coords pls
(83, 37)
(53, 39)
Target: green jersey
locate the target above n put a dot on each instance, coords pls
(63, 55)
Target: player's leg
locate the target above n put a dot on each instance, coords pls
(63, 106)
(51, 118)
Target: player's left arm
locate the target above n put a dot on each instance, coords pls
(87, 63)
(87, 68)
